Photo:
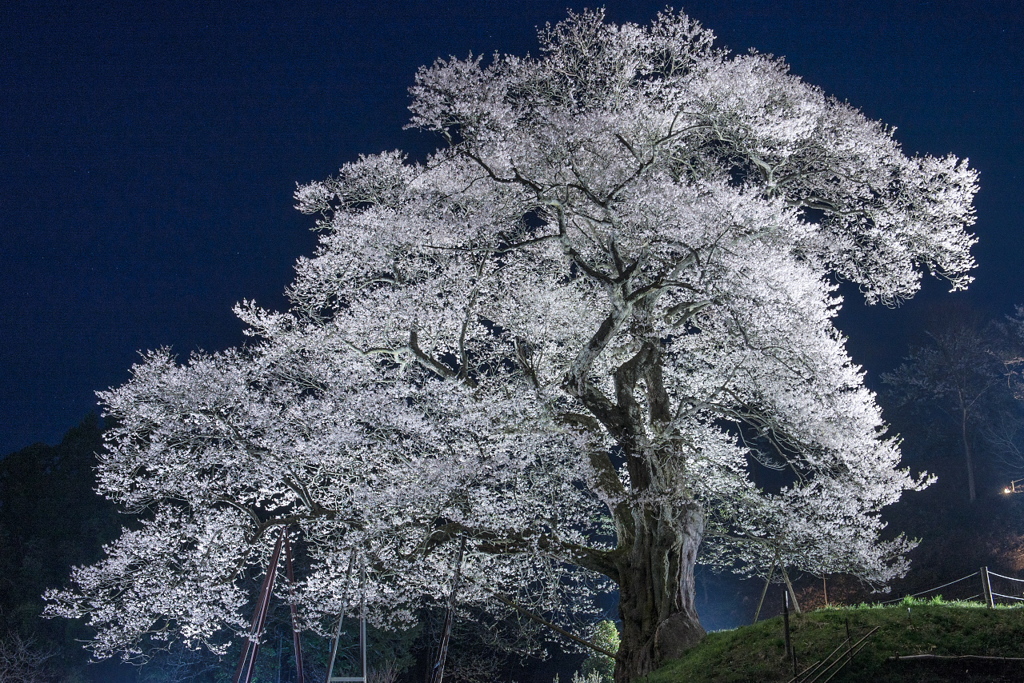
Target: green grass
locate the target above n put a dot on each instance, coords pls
(757, 653)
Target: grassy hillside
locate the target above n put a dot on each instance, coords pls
(757, 653)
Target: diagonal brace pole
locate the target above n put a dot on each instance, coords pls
(247, 663)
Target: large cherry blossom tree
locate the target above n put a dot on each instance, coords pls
(566, 340)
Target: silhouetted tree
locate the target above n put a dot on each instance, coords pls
(958, 374)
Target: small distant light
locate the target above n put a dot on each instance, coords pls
(1006, 490)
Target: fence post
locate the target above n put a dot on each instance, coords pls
(849, 642)
(986, 587)
(790, 650)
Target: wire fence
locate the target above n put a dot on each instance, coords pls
(1014, 588)
(983, 585)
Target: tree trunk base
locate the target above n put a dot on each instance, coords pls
(656, 591)
(675, 636)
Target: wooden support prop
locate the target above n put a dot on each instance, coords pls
(986, 587)
(790, 652)
(789, 586)
(764, 592)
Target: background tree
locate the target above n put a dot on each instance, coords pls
(22, 661)
(958, 373)
(609, 293)
(598, 667)
(1004, 430)
(50, 520)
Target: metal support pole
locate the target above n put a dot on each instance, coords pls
(247, 663)
(331, 678)
(341, 619)
(280, 654)
(362, 619)
(334, 648)
(437, 674)
(296, 641)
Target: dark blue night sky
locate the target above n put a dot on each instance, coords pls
(149, 150)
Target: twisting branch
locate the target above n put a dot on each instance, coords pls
(492, 542)
(434, 364)
(463, 354)
(544, 622)
(576, 381)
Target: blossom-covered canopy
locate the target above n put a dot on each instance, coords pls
(569, 337)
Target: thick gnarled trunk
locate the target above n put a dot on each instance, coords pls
(658, 534)
(656, 590)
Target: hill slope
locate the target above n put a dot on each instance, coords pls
(757, 653)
